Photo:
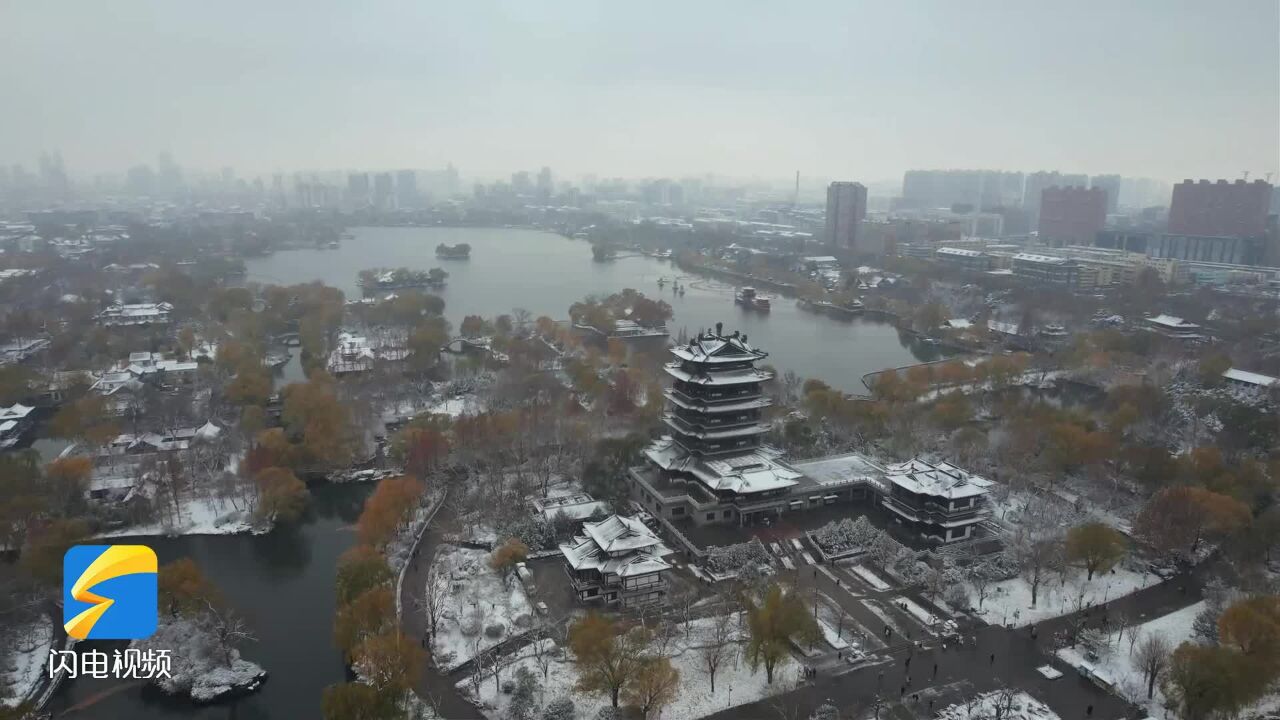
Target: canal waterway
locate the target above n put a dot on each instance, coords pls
(545, 273)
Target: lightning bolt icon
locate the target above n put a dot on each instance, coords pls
(116, 561)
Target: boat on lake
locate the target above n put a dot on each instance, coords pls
(461, 251)
(749, 299)
(843, 310)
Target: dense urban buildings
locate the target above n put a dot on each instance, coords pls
(846, 209)
(974, 189)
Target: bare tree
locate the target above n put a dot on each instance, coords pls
(542, 647)
(431, 601)
(1039, 557)
(229, 629)
(1002, 702)
(1152, 657)
(717, 651)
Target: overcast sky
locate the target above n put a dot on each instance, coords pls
(856, 90)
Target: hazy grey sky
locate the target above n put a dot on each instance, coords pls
(859, 90)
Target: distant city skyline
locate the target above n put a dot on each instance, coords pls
(1168, 89)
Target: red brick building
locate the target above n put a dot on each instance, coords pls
(1072, 215)
(1220, 209)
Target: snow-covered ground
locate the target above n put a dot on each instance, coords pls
(457, 406)
(1009, 602)
(1116, 662)
(916, 610)
(198, 516)
(199, 666)
(1005, 704)
(736, 684)
(865, 573)
(477, 598)
(24, 665)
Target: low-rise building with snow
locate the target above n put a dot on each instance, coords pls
(1252, 380)
(1174, 327)
(136, 314)
(14, 421)
(939, 502)
(617, 561)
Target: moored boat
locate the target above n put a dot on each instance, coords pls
(748, 298)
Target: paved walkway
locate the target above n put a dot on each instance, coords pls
(431, 685)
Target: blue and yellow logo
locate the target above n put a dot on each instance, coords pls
(109, 592)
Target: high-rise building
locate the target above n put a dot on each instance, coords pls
(1110, 184)
(358, 189)
(382, 191)
(520, 183)
(1221, 209)
(544, 184)
(1072, 215)
(406, 189)
(846, 209)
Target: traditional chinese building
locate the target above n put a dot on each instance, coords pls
(617, 561)
(714, 467)
(939, 502)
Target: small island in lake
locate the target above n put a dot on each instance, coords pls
(376, 279)
(461, 251)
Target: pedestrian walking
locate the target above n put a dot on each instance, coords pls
(993, 658)
(902, 691)
(1088, 712)
(908, 662)
(935, 671)
(880, 679)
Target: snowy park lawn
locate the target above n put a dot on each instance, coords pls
(22, 668)
(1009, 601)
(736, 684)
(865, 573)
(1116, 663)
(199, 516)
(1020, 706)
(476, 598)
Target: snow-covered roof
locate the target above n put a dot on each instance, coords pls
(940, 480)
(1172, 322)
(1004, 328)
(842, 469)
(578, 506)
(17, 411)
(583, 554)
(959, 324)
(959, 252)
(617, 534)
(1041, 259)
(1250, 378)
(731, 377)
(711, 348)
(752, 472)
